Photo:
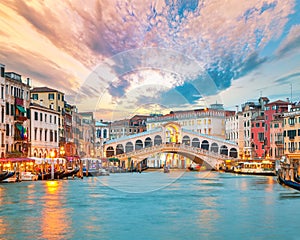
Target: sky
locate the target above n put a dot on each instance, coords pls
(119, 58)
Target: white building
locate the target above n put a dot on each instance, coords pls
(206, 121)
(44, 131)
(101, 135)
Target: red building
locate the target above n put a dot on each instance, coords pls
(258, 137)
(270, 110)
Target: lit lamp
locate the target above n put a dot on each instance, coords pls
(62, 151)
(52, 155)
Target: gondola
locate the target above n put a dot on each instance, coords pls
(5, 175)
(47, 176)
(71, 173)
(288, 183)
(297, 178)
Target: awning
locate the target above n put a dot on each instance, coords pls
(21, 109)
(20, 127)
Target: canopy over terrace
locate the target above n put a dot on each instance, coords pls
(16, 164)
(48, 160)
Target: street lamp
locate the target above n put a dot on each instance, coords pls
(52, 155)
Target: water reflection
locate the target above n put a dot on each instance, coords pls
(54, 221)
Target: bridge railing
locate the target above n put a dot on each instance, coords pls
(175, 147)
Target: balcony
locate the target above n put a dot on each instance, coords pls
(291, 150)
(291, 138)
(20, 118)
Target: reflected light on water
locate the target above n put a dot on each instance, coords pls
(54, 224)
(52, 186)
(3, 227)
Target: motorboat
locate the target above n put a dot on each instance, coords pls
(95, 172)
(255, 168)
(28, 176)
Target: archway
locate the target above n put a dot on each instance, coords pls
(172, 132)
(205, 145)
(129, 147)
(157, 140)
(233, 153)
(119, 149)
(214, 147)
(224, 150)
(186, 140)
(196, 142)
(148, 142)
(138, 144)
(110, 151)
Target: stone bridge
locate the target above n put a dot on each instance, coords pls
(171, 138)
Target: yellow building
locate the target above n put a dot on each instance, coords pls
(291, 133)
(54, 100)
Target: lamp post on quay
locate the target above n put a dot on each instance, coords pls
(52, 155)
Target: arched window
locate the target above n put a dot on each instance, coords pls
(214, 148)
(110, 152)
(205, 145)
(119, 149)
(186, 140)
(157, 140)
(148, 142)
(224, 150)
(233, 153)
(129, 147)
(138, 144)
(196, 142)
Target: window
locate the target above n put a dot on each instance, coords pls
(41, 134)
(58, 108)
(35, 96)
(2, 71)
(261, 137)
(46, 132)
(54, 119)
(2, 92)
(45, 117)
(7, 129)
(256, 124)
(51, 136)
(58, 96)
(291, 121)
(7, 108)
(36, 118)
(50, 119)
(41, 117)
(55, 136)
(51, 106)
(51, 96)
(35, 134)
(12, 110)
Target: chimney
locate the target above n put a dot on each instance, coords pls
(41, 102)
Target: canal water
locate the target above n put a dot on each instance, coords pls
(151, 205)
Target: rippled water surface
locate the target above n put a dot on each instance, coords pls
(151, 205)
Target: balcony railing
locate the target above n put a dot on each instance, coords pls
(20, 118)
(291, 137)
(292, 150)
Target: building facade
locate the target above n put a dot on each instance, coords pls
(291, 132)
(17, 101)
(52, 99)
(205, 121)
(44, 131)
(2, 111)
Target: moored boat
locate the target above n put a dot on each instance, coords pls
(288, 183)
(28, 176)
(255, 168)
(5, 175)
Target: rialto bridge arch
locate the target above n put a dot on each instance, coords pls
(167, 134)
